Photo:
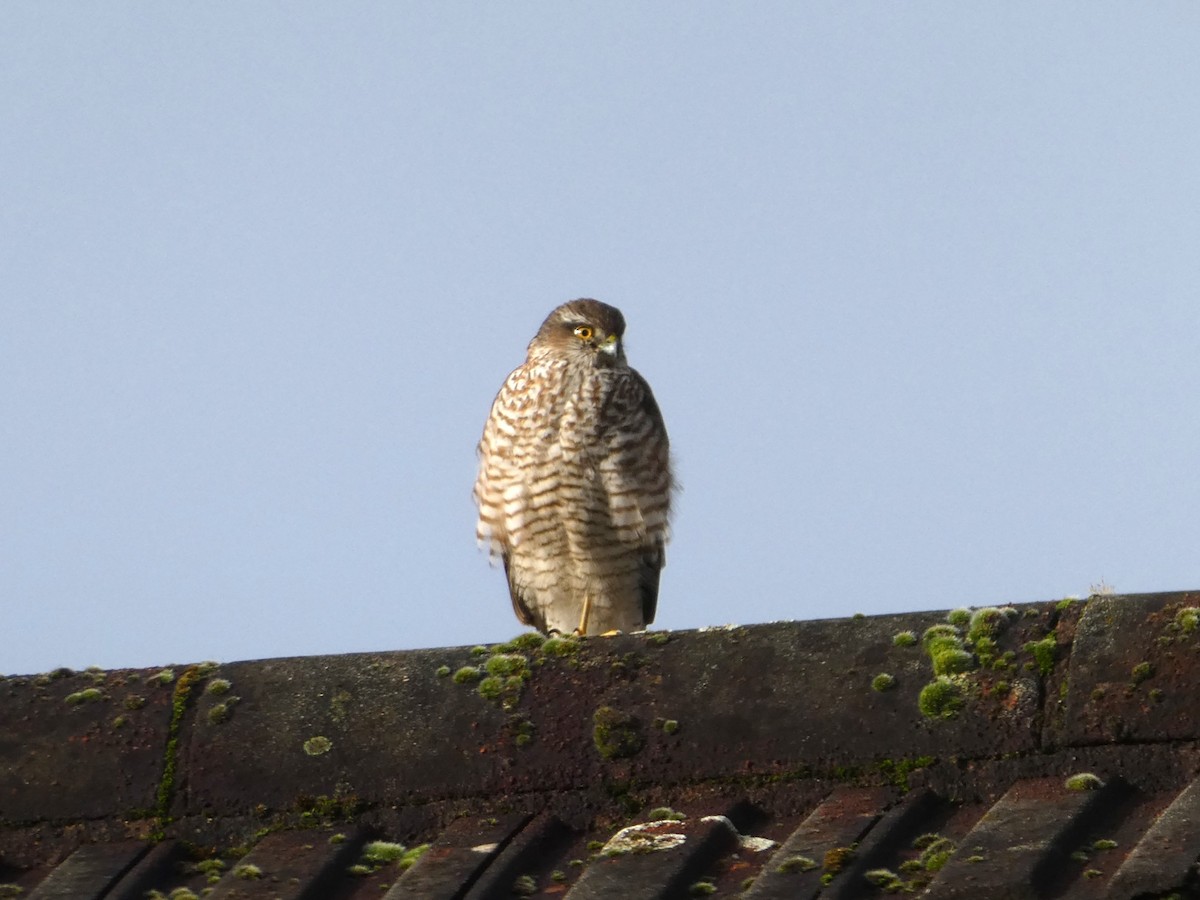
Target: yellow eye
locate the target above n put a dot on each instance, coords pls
(584, 332)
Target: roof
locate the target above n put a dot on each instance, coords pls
(1055, 755)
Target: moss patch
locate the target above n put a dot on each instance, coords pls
(616, 734)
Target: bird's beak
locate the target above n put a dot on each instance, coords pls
(610, 345)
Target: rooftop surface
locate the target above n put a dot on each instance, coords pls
(1040, 750)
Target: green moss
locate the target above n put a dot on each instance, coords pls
(443, 672)
(702, 889)
(88, 695)
(986, 623)
(934, 632)
(181, 698)
(11, 890)
(381, 852)
(1092, 873)
(466, 675)
(1044, 653)
(897, 771)
(318, 745)
(837, 858)
(796, 864)
(940, 699)
(1141, 672)
(480, 650)
(524, 886)
(615, 734)
(522, 730)
(885, 879)
(1187, 619)
(1083, 781)
(670, 726)
(411, 855)
(658, 638)
(1104, 844)
(218, 686)
(904, 638)
(561, 646)
(162, 677)
(959, 617)
(529, 641)
(883, 682)
(134, 702)
(1065, 603)
(491, 688)
(219, 713)
(247, 872)
(664, 814)
(937, 854)
(952, 662)
(505, 664)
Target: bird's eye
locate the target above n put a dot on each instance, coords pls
(584, 332)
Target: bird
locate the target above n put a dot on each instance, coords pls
(574, 484)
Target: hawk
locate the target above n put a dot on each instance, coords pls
(574, 484)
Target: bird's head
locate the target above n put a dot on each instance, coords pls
(584, 331)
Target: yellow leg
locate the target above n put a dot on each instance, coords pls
(587, 611)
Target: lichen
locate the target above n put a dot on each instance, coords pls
(318, 745)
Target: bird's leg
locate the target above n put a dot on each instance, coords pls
(587, 611)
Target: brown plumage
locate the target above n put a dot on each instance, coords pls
(574, 486)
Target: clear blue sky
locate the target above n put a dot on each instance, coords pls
(917, 287)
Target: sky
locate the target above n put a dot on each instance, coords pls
(917, 287)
